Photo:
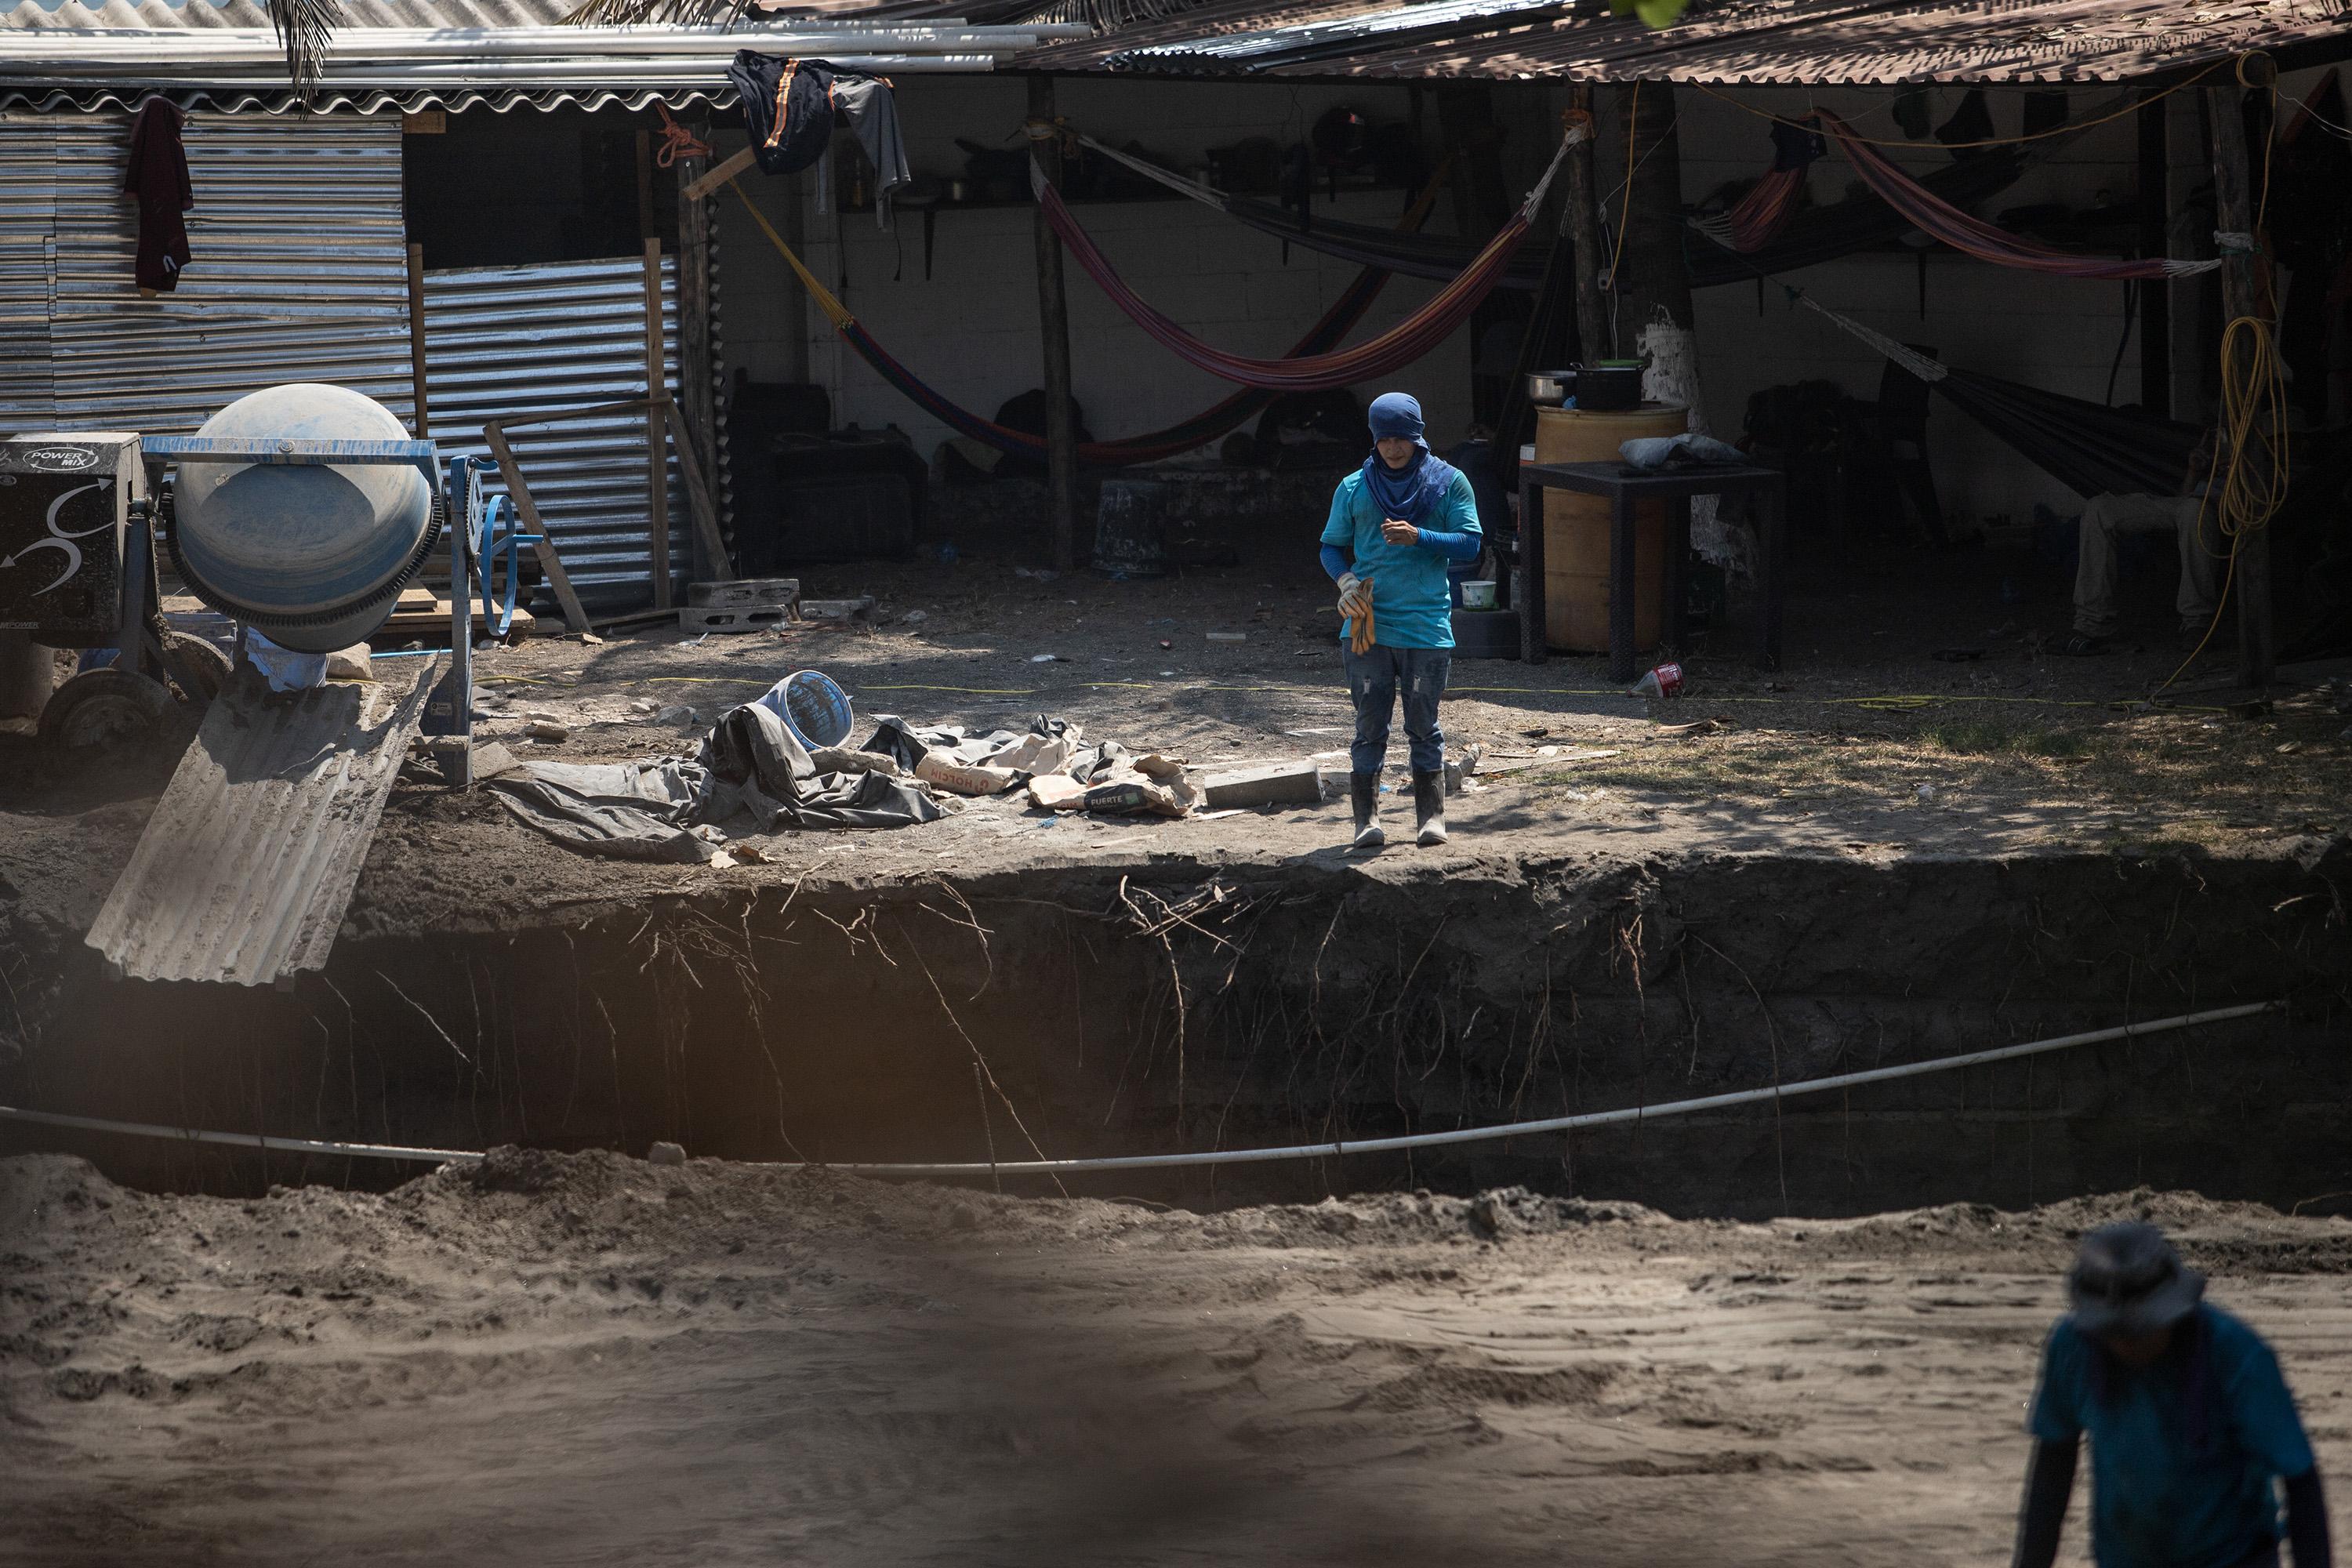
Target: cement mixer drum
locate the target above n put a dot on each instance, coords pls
(311, 555)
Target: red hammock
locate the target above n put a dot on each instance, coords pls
(1757, 217)
(1408, 341)
(1940, 220)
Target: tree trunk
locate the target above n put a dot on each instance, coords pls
(1582, 226)
(1656, 273)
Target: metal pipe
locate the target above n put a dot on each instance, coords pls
(1253, 1157)
(243, 1140)
(1556, 1123)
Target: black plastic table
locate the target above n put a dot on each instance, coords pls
(1623, 487)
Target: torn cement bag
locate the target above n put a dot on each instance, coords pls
(1151, 783)
(939, 768)
(1056, 792)
(751, 775)
(1047, 747)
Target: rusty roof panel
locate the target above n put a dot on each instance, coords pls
(244, 870)
(1776, 43)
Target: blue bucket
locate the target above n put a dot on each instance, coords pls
(812, 708)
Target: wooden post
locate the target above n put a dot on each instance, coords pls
(647, 228)
(656, 436)
(422, 423)
(698, 374)
(2234, 213)
(1054, 322)
(2154, 235)
(1584, 228)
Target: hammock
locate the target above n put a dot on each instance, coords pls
(1975, 237)
(1181, 436)
(1802, 239)
(1408, 341)
(2087, 447)
(1759, 215)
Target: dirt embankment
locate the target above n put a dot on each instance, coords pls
(1174, 1005)
(588, 1359)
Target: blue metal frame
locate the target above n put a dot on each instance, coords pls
(449, 710)
(490, 520)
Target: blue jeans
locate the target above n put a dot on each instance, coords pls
(1372, 679)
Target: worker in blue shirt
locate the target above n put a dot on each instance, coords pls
(2191, 1427)
(1395, 524)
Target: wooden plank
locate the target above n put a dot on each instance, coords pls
(697, 370)
(701, 505)
(1053, 321)
(697, 190)
(421, 609)
(423, 423)
(656, 436)
(543, 551)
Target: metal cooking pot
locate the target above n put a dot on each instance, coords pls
(1550, 388)
(1610, 385)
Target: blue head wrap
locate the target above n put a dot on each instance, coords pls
(1413, 492)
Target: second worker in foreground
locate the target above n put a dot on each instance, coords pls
(1394, 525)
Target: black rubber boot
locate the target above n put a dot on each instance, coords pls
(1428, 806)
(1364, 790)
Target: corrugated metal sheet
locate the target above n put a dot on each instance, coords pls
(1773, 43)
(299, 270)
(28, 220)
(519, 341)
(368, 102)
(244, 870)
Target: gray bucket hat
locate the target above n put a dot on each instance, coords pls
(2127, 1279)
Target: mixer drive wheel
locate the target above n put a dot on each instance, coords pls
(198, 666)
(99, 706)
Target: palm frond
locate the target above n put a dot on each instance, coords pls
(305, 28)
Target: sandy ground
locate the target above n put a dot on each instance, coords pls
(1864, 746)
(592, 1359)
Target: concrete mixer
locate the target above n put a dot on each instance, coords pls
(300, 512)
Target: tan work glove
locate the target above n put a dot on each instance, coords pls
(1356, 603)
(1355, 595)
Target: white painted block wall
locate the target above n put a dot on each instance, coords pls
(972, 330)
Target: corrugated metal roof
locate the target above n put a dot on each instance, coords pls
(244, 870)
(408, 55)
(1733, 43)
(155, 15)
(520, 341)
(300, 271)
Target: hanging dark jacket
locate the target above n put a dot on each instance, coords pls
(787, 107)
(157, 175)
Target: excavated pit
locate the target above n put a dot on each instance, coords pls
(1172, 1005)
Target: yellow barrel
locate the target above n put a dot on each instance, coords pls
(1576, 527)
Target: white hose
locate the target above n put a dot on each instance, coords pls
(1236, 1156)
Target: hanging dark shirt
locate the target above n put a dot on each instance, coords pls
(787, 107)
(157, 175)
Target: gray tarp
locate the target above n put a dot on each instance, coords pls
(751, 773)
